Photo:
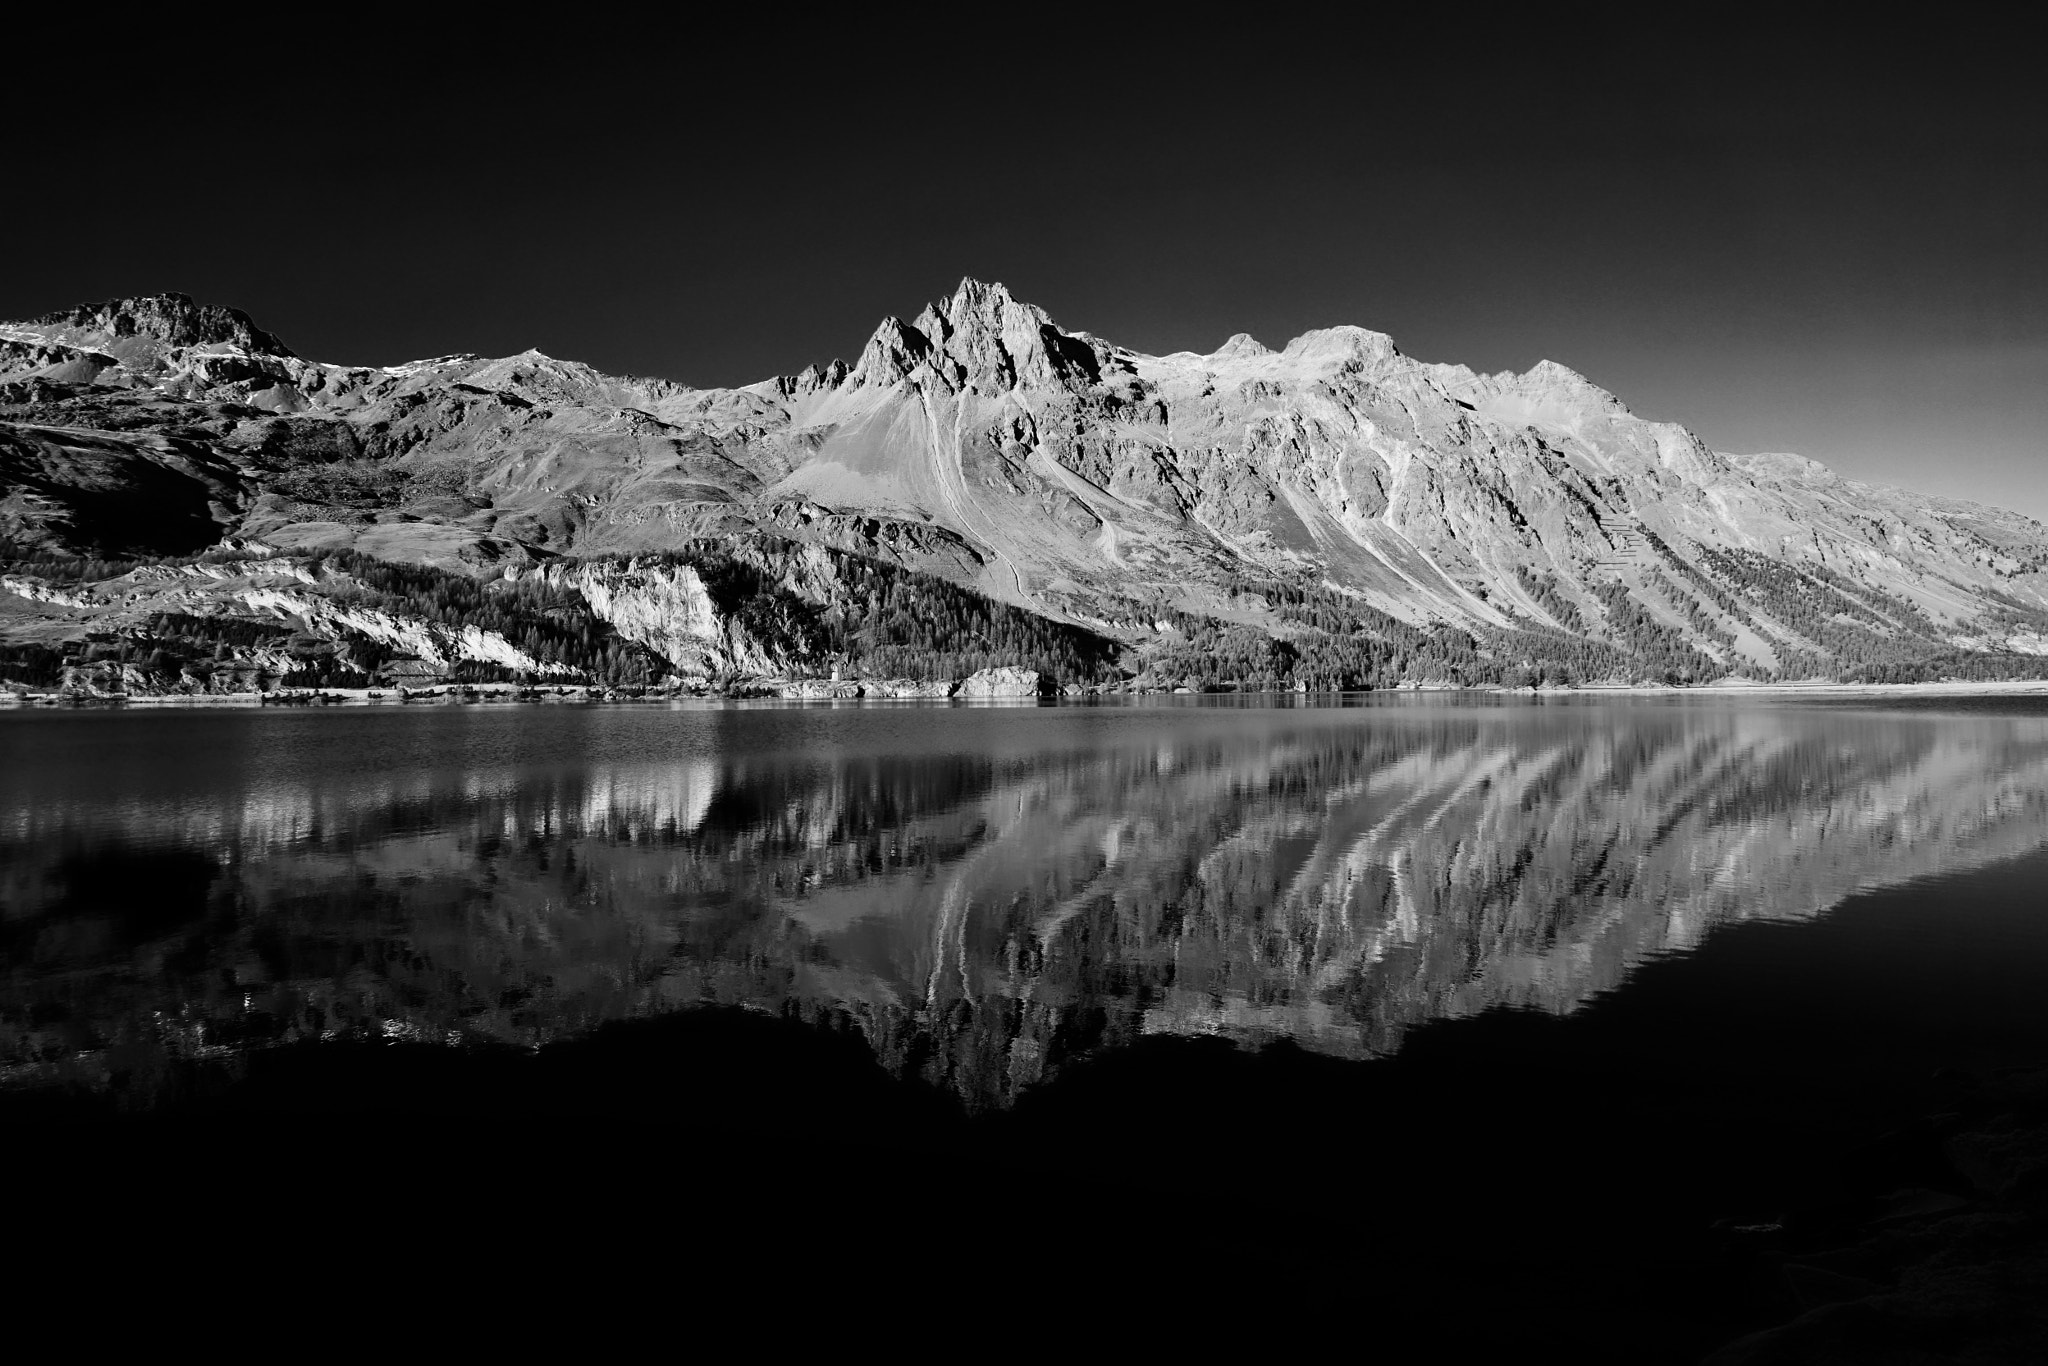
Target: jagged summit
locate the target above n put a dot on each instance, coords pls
(890, 354)
(981, 336)
(985, 300)
(170, 319)
(977, 312)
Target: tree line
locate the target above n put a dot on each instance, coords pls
(814, 608)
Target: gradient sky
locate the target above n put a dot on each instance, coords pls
(1813, 241)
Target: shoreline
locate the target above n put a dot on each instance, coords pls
(815, 691)
(2004, 687)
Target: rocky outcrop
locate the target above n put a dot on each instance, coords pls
(1003, 682)
(35, 590)
(169, 320)
(906, 689)
(667, 608)
(423, 640)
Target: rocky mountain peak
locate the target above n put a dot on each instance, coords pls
(168, 319)
(975, 299)
(1349, 348)
(1548, 376)
(895, 349)
(1243, 344)
(977, 312)
(981, 337)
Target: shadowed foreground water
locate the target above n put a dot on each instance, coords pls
(1008, 987)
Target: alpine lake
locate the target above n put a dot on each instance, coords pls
(1613, 1027)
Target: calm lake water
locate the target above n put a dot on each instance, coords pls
(986, 894)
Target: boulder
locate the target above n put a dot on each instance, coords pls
(1004, 682)
(907, 687)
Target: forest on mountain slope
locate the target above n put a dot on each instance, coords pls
(873, 620)
(877, 621)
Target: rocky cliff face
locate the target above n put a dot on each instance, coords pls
(982, 442)
(667, 608)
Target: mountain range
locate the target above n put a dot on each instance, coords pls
(1331, 513)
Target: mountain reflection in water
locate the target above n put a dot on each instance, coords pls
(986, 893)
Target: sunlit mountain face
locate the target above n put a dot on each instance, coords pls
(176, 484)
(986, 894)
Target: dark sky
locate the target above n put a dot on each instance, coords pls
(1811, 239)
